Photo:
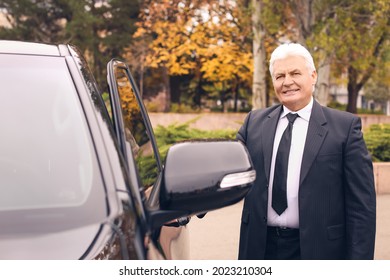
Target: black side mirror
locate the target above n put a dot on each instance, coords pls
(201, 176)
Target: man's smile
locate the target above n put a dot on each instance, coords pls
(290, 91)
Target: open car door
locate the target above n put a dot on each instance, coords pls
(196, 177)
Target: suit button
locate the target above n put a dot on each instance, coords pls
(265, 219)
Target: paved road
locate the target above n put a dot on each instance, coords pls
(215, 237)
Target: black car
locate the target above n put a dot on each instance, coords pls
(80, 172)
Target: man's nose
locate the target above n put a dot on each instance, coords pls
(288, 80)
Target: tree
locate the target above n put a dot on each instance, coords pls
(100, 28)
(378, 87)
(305, 22)
(39, 20)
(162, 26)
(311, 24)
(197, 39)
(259, 57)
(227, 65)
(362, 29)
(346, 36)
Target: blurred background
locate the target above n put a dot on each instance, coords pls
(205, 62)
(195, 56)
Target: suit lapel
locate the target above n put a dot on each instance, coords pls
(269, 129)
(316, 134)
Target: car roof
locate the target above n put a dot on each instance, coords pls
(19, 47)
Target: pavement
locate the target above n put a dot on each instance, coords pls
(215, 237)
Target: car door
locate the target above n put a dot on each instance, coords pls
(136, 138)
(197, 176)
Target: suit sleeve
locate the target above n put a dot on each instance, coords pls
(360, 197)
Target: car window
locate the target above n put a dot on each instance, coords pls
(135, 131)
(107, 103)
(47, 159)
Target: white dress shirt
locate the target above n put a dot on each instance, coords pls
(290, 217)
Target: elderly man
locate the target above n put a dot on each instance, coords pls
(314, 196)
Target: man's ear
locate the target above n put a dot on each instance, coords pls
(314, 80)
(314, 77)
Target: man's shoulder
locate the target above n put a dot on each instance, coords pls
(264, 111)
(334, 113)
(335, 118)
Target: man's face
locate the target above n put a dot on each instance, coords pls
(293, 82)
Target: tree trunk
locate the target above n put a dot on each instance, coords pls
(306, 18)
(259, 57)
(352, 99)
(354, 84)
(236, 93)
(353, 90)
(321, 92)
(304, 12)
(197, 98)
(166, 89)
(175, 88)
(142, 73)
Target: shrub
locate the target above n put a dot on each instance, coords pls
(377, 138)
(182, 108)
(153, 106)
(174, 133)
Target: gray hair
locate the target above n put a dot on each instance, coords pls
(291, 49)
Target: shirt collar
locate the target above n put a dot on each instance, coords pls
(304, 113)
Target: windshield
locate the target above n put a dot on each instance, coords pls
(46, 154)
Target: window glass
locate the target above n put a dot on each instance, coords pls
(47, 158)
(136, 132)
(107, 103)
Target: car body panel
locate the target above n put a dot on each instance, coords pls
(28, 48)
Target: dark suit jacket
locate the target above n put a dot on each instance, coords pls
(337, 202)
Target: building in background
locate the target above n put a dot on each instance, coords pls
(339, 94)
